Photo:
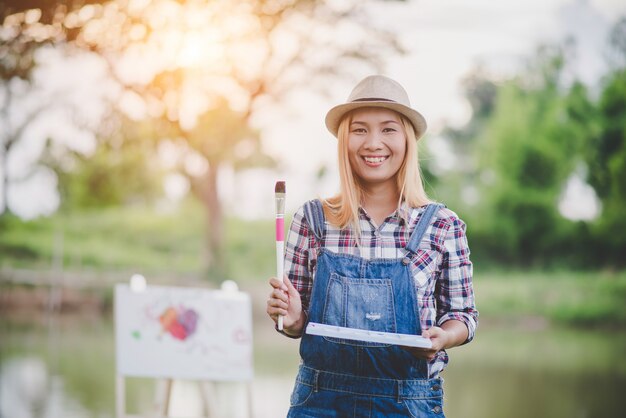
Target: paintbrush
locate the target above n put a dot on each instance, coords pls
(279, 197)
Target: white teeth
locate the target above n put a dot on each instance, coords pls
(374, 160)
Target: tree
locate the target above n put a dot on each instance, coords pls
(458, 185)
(26, 103)
(190, 61)
(606, 155)
(529, 147)
(120, 171)
(244, 150)
(15, 72)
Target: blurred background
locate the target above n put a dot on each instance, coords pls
(146, 136)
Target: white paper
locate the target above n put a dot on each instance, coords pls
(371, 336)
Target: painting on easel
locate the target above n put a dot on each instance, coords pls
(183, 333)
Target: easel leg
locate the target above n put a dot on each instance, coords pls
(208, 396)
(162, 397)
(249, 390)
(168, 397)
(120, 397)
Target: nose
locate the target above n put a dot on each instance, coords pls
(373, 141)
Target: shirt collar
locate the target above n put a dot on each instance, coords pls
(401, 214)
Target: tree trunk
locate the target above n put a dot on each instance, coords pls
(214, 249)
(4, 182)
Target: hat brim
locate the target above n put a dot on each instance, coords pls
(336, 114)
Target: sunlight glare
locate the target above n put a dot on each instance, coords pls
(137, 32)
(137, 6)
(200, 49)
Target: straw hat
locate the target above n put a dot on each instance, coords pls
(377, 91)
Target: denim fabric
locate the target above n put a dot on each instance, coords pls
(347, 378)
(327, 394)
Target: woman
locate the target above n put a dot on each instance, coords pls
(378, 256)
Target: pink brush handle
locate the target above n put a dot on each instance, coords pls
(280, 229)
(280, 254)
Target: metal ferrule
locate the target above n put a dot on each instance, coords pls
(280, 204)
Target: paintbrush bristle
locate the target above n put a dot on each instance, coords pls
(280, 187)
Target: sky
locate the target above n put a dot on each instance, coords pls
(445, 41)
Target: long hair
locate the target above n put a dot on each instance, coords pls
(342, 210)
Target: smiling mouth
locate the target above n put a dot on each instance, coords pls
(374, 160)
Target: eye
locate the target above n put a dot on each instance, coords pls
(389, 130)
(358, 130)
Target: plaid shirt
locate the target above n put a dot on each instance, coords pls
(442, 270)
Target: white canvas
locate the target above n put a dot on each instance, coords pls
(183, 333)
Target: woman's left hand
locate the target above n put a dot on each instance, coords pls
(451, 334)
(439, 339)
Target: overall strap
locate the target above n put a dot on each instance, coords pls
(314, 215)
(422, 225)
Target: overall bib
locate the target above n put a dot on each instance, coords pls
(348, 378)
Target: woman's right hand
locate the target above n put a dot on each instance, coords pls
(285, 300)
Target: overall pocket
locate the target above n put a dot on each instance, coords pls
(425, 408)
(301, 393)
(362, 303)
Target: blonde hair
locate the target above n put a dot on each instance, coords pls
(342, 210)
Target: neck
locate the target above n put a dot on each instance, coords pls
(380, 202)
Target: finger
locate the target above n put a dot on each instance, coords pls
(282, 283)
(269, 305)
(276, 284)
(271, 310)
(274, 311)
(289, 287)
(280, 295)
(278, 301)
(433, 332)
(273, 317)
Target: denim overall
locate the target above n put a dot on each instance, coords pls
(348, 378)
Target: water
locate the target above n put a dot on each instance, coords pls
(64, 366)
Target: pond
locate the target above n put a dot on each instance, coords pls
(64, 366)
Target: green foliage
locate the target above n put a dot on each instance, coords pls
(526, 143)
(228, 89)
(250, 247)
(223, 135)
(525, 158)
(527, 137)
(123, 169)
(569, 297)
(606, 157)
(136, 239)
(110, 239)
(606, 151)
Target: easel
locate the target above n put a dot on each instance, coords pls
(215, 349)
(163, 397)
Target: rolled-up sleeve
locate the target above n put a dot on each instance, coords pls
(297, 257)
(455, 292)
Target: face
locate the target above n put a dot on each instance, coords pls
(376, 146)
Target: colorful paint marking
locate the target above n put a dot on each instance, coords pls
(181, 323)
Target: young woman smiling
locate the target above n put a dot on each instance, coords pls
(378, 256)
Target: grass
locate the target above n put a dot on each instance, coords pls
(583, 298)
(171, 244)
(135, 239)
